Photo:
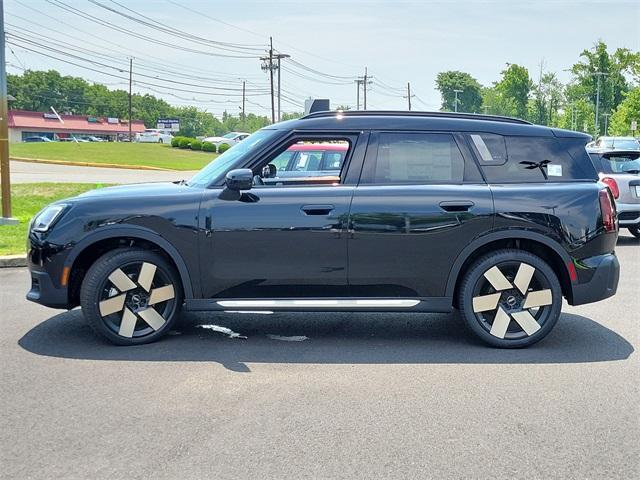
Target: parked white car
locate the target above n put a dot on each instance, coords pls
(230, 139)
(153, 135)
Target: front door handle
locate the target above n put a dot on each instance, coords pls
(317, 209)
(457, 206)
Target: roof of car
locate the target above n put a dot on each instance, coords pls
(305, 147)
(434, 121)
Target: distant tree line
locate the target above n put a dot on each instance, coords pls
(547, 101)
(41, 90)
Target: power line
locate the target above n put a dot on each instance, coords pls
(147, 38)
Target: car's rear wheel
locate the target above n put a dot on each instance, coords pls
(510, 298)
(635, 231)
(160, 141)
(131, 296)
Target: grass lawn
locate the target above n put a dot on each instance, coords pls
(27, 200)
(147, 154)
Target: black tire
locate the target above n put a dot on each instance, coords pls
(495, 307)
(131, 295)
(160, 140)
(635, 231)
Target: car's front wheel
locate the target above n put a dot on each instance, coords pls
(635, 231)
(510, 298)
(131, 296)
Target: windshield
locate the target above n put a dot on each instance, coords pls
(229, 159)
(229, 135)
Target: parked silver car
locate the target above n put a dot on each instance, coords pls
(606, 144)
(620, 170)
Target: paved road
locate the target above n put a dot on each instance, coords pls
(365, 396)
(27, 172)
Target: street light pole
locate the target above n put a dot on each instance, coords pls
(598, 75)
(455, 102)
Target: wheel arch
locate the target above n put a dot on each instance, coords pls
(114, 237)
(533, 242)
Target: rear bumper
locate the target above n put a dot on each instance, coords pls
(603, 282)
(628, 214)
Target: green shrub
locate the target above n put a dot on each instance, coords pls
(208, 147)
(185, 142)
(175, 141)
(195, 145)
(223, 148)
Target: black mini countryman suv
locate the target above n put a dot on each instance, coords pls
(388, 211)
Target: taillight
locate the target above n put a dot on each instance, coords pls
(613, 186)
(608, 211)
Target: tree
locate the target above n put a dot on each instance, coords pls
(578, 115)
(469, 100)
(514, 87)
(613, 83)
(626, 112)
(549, 99)
(495, 103)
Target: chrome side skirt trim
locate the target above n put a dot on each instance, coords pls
(360, 303)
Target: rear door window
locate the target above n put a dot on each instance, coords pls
(415, 158)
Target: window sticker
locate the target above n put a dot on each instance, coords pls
(554, 170)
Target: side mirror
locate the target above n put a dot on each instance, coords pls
(239, 179)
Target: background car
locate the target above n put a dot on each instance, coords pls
(302, 161)
(153, 135)
(230, 139)
(614, 143)
(93, 138)
(37, 139)
(620, 171)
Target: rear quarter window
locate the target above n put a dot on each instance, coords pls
(538, 159)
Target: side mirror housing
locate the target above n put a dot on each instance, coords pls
(239, 179)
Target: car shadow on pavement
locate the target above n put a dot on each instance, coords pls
(336, 338)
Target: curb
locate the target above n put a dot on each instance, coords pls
(89, 164)
(13, 261)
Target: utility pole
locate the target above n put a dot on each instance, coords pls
(5, 178)
(365, 88)
(606, 123)
(358, 83)
(364, 81)
(130, 84)
(280, 56)
(455, 102)
(408, 96)
(598, 75)
(267, 65)
(244, 84)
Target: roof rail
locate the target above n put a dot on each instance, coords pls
(412, 113)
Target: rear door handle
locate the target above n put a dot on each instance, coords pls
(457, 206)
(317, 209)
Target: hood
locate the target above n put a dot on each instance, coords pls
(214, 139)
(133, 191)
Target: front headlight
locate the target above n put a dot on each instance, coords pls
(47, 217)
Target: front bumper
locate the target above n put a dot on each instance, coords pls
(628, 214)
(44, 292)
(603, 273)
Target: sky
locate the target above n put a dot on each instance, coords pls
(330, 44)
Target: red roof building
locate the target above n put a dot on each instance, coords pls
(24, 124)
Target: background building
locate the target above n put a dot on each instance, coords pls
(24, 124)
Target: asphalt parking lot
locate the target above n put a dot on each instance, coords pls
(362, 396)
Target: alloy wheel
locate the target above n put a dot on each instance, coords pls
(512, 300)
(137, 299)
